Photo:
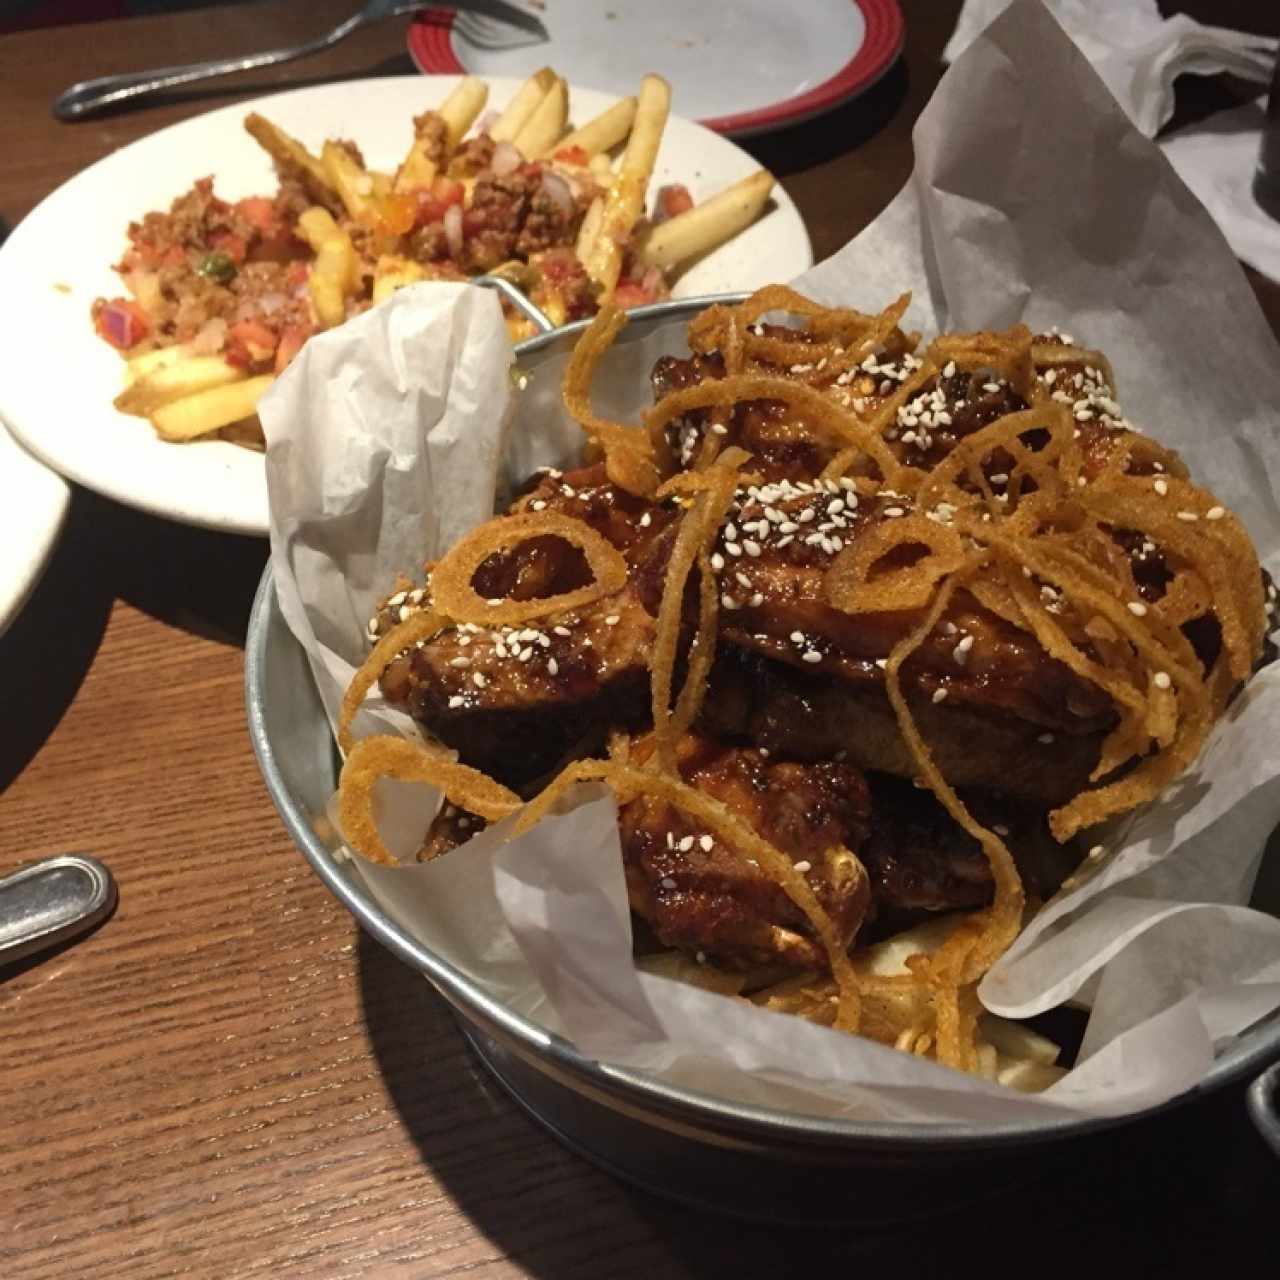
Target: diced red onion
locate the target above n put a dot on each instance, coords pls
(506, 159)
(558, 192)
(453, 230)
(118, 324)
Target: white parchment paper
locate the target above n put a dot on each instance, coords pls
(1032, 198)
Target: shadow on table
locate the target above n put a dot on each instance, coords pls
(1164, 1190)
(206, 90)
(194, 579)
(814, 142)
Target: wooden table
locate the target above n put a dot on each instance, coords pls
(229, 1078)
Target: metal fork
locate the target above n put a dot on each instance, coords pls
(90, 96)
(483, 32)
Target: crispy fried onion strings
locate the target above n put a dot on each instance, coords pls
(454, 596)
(415, 628)
(384, 756)
(629, 461)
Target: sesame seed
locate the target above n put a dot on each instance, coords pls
(1046, 738)
(539, 505)
(882, 663)
(494, 603)
(701, 957)
(397, 599)
(743, 580)
(1000, 829)
(751, 548)
(707, 843)
(611, 620)
(526, 653)
(797, 637)
(405, 613)
(733, 549)
(949, 369)
(939, 695)
(891, 512)
(686, 844)
(456, 701)
(479, 680)
(1096, 852)
(1215, 513)
(729, 602)
(671, 841)
(719, 429)
(553, 666)
(1137, 608)
(961, 652)
(756, 600)
(667, 882)
(811, 655)
(731, 532)
(1162, 681)
(562, 631)
(646, 520)
(459, 662)
(1161, 487)
(1188, 516)
(804, 866)
(717, 562)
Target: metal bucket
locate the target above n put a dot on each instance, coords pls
(677, 1142)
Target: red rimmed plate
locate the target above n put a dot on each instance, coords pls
(746, 68)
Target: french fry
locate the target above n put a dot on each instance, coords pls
(348, 178)
(290, 153)
(590, 228)
(382, 184)
(1025, 1076)
(392, 273)
(517, 112)
(172, 381)
(460, 109)
(206, 411)
(601, 168)
(625, 201)
(543, 128)
(149, 361)
(604, 132)
(707, 225)
(336, 270)
(1016, 1040)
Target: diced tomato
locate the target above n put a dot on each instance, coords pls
(230, 244)
(260, 212)
(672, 199)
(433, 203)
(297, 274)
(256, 338)
(122, 322)
(630, 294)
(572, 155)
(290, 344)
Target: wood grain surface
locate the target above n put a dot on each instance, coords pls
(228, 1079)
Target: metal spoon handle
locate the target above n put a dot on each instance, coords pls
(52, 901)
(89, 96)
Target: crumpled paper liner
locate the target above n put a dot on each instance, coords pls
(1033, 198)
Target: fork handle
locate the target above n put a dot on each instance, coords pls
(90, 96)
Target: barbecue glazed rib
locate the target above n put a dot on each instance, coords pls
(796, 675)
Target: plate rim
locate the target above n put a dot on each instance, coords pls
(429, 40)
(17, 589)
(248, 516)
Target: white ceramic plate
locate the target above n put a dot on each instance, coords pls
(740, 68)
(59, 378)
(32, 508)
